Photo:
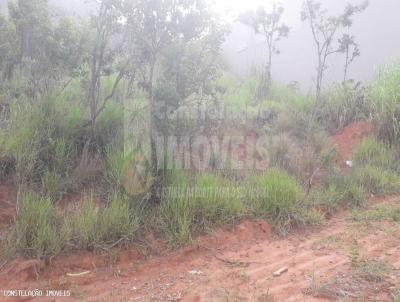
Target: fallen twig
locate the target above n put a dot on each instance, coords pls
(77, 274)
(237, 262)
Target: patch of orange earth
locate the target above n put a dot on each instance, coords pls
(348, 138)
(231, 264)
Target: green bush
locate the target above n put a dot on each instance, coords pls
(39, 230)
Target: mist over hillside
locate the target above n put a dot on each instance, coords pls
(373, 30)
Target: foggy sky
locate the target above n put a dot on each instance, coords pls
(377, 31)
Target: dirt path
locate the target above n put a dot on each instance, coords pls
(231, 265)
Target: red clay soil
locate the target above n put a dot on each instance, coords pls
(231, 264)
(348, 138)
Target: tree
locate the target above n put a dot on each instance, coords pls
(270, 26)
(175, 44)
(350, 48)
(324, 29)
(107, 48)
(45, 50)
(8, 47)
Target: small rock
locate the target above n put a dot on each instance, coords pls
(280, 271)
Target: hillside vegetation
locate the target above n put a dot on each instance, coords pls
(83, 103)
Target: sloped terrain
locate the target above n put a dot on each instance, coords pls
(348, 259)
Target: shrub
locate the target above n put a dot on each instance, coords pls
(38, 229)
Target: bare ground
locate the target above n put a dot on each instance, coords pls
(235, 264)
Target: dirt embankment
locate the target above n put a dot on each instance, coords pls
(235, 263)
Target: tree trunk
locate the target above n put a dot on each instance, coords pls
(320, 75)
(152, 133)
(346, 66)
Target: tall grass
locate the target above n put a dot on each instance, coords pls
(341, 106)
(378, 180)
(214, 207)
(42, 230)
(118, 221)
(39, 230)
(197, 207)
(385, 99)
(372, 152)
(95, 227)
(280, 199)
(376, 167)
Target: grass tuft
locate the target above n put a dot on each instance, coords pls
(39, 232)
(281, 200)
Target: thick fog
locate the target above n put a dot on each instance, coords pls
(377, 30)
